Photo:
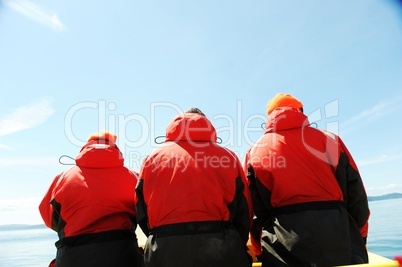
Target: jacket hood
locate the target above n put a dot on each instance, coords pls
(191, 127)
(285, 118)
(99, 154)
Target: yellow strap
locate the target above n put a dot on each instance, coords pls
(387, 264)
(384, 264)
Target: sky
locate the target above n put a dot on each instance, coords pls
(71, 68)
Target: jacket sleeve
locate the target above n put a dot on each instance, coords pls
(246, 190)
(259, 212)
(241, 218)
(46, 209)
(353, 189)
(241, 207)
(141, 207)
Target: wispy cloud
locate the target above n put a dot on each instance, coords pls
(379, 110)
(20, 211)
(26, 117)
(379, 159)
(36, 13)
(28, 161)
(5, 147)
(16, 203)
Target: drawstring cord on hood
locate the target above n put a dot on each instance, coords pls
(66, 163)
(158, 137)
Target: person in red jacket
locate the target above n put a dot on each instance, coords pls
(309, 201)
(91, 207)
(193, 202)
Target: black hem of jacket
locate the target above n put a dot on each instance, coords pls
(85, 239)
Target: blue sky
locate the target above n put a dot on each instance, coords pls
(71, 68)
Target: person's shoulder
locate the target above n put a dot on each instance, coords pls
(329, 134)
(126, 175)
(229, 152)
(68, 171)
(133, 173)
(160, 149)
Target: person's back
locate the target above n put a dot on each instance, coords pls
(192, 200)
(308, 195)
(91, 206)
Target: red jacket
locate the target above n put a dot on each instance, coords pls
(190, 178)
(296, 163)
(96, 195)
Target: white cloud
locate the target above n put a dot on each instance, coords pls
(380, 159)
(26, 117)
(20, 211)
(34, 161)
(5, 147)
(17, 203)
(378, 111)
(36, 13)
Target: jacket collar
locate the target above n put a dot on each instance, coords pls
(285, 118)
(191, 127)
(99, 154)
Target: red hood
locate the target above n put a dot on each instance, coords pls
(99, 154)
(191, 126)
(285, 118)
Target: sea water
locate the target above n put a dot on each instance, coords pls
(385, 227)
(34, 247)
(27, 247)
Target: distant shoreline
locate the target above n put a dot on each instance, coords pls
(384, 197)
(12, 227)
